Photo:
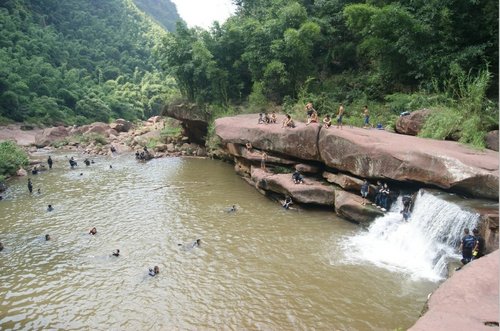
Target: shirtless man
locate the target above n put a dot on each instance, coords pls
(340, 114)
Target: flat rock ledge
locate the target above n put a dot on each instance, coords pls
(468, 300)
(372, 154)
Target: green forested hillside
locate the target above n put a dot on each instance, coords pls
(78, 61)
(392, 55)
(163, 11)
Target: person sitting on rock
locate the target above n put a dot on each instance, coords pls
(274, 118)
(297, 177)
(309, 109)
(313, 118)
(288, 122)
(327, 121)
(261, 119)
(267, 118)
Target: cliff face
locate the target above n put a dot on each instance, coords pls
(372, 154)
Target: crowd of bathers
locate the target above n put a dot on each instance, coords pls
(93, 231)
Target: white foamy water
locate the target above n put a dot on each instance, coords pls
(421, 246)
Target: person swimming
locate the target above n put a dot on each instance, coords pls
(153, 272)
(197, 243)
(50, 208)
(93, 231)
(47, 237)
(116, 253)
(231, 209)
(287, 203)
(1, 247)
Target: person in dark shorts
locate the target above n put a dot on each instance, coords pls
(466, 246)
(478, 250)
(364, 191)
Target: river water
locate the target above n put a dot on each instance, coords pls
(260, 268)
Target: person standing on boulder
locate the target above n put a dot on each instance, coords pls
(364, 191)
(340, 115)
(49, 161)
(263, 159)
(366, 114)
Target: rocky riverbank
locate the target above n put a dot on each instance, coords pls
(163, 137)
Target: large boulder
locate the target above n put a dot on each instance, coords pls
(379, 154)
(99, 128)
(311, 192)
(468, 300)
(194, 120)
(121, 125)
(349, 206)
(51, 135)
(492, 140)
(412, 123)
(299, 142)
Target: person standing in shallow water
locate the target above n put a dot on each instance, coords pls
(30, 185)
(49, 162)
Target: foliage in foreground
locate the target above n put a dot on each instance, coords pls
(11, 158)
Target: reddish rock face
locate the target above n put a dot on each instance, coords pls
(467, 300)
(412, 124)
(380, 154)
(50, 135)
(312, 191)
(299, 142)
(348, 206)
(372, 154)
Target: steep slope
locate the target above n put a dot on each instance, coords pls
(163, 11)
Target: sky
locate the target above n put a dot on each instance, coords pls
(203, 12)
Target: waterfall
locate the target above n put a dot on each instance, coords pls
(421, 246)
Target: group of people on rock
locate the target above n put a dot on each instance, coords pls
(313, 117)
(265, 118)
(471, 246)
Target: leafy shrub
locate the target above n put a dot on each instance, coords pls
(11, 158)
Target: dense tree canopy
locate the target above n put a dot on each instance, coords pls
(385, 46)
(78, 61)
